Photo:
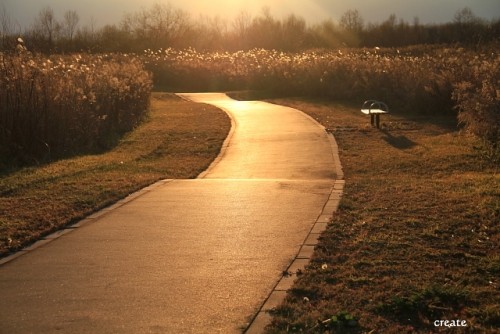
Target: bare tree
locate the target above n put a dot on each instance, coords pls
(352, 21)
(71, 20)
(9, 29)
(92, 27)
(46, 26)
(240, 28)
(213, 30)
(241, 23)
(265, 31)
(159, 26)
(469, 27)
(465, 16)
(5, 26)
(293, 33)
(352, 25)
(87, 36)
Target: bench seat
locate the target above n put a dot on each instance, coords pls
(374, 108)
(373, 111)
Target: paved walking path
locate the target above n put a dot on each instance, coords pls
(183, 256)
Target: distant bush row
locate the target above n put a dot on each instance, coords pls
(163, 25)
(425, 80)
(55, 106)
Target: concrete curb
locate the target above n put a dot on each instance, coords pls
(333, 145)
(336, 159)
(278, 294)
(87, 220)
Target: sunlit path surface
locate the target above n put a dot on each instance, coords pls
(270, 141)
(188, 256)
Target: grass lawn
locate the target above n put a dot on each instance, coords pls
(179, 139)
(416, 237)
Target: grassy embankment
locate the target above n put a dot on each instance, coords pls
(179, 139)
(415, 238)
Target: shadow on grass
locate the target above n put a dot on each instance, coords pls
(399, 142)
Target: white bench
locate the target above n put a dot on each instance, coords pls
(374, 108)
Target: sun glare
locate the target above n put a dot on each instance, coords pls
(222, 8)
(228, 9)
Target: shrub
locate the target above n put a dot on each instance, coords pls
(477, 98)
(59, 105)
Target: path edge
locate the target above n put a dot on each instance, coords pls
(262, 317)
(226, 142)
(91, 218)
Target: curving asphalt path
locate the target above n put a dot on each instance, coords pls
(183, 256)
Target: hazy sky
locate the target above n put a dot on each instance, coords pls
(111, 11)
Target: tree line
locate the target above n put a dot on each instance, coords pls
(163, 26)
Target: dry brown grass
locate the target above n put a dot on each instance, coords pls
(63, 105)
(415, 238)
(178, 140)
